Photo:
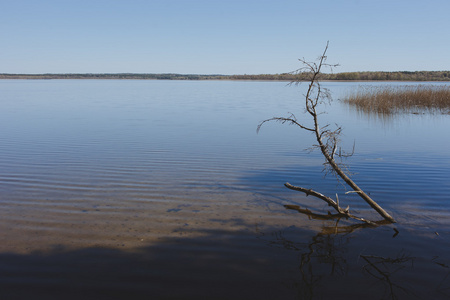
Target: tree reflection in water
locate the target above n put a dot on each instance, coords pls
(330, 265)
(383, 268)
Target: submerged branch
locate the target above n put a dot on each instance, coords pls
(340, 212)
(313, 215)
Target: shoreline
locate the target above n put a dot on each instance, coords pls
(227, 79)
(403, 76)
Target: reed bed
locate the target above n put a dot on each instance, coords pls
(401, 99)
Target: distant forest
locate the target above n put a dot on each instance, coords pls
(349, 76)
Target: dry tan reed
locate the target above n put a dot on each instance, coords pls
(401, 99)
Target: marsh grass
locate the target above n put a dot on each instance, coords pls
(401, 99)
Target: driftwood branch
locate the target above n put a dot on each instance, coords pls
(340, 212)
(308, 192)
(327, 140)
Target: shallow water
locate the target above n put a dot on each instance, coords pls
(164, 189)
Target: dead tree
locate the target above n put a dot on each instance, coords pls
(327, 140)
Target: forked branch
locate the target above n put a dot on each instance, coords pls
(340, 212)
(327, 140)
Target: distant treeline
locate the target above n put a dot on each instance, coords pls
(356, 76)
(352, 76)
(114, 76)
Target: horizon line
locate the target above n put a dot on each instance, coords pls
(212, 74)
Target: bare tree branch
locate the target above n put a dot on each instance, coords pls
(290, 120)
(340, 212)
(327, 140)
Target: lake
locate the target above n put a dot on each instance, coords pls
(163, 189)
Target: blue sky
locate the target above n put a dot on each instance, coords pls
(221, 36)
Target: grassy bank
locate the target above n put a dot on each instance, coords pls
(401, 99)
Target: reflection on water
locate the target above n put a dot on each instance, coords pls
(163, 188)
(384, 269)
(288, 263)
(331, 264)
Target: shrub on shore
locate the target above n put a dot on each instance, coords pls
(401, 99)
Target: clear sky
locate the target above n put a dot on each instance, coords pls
(221, 36)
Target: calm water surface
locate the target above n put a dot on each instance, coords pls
(163, 189)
